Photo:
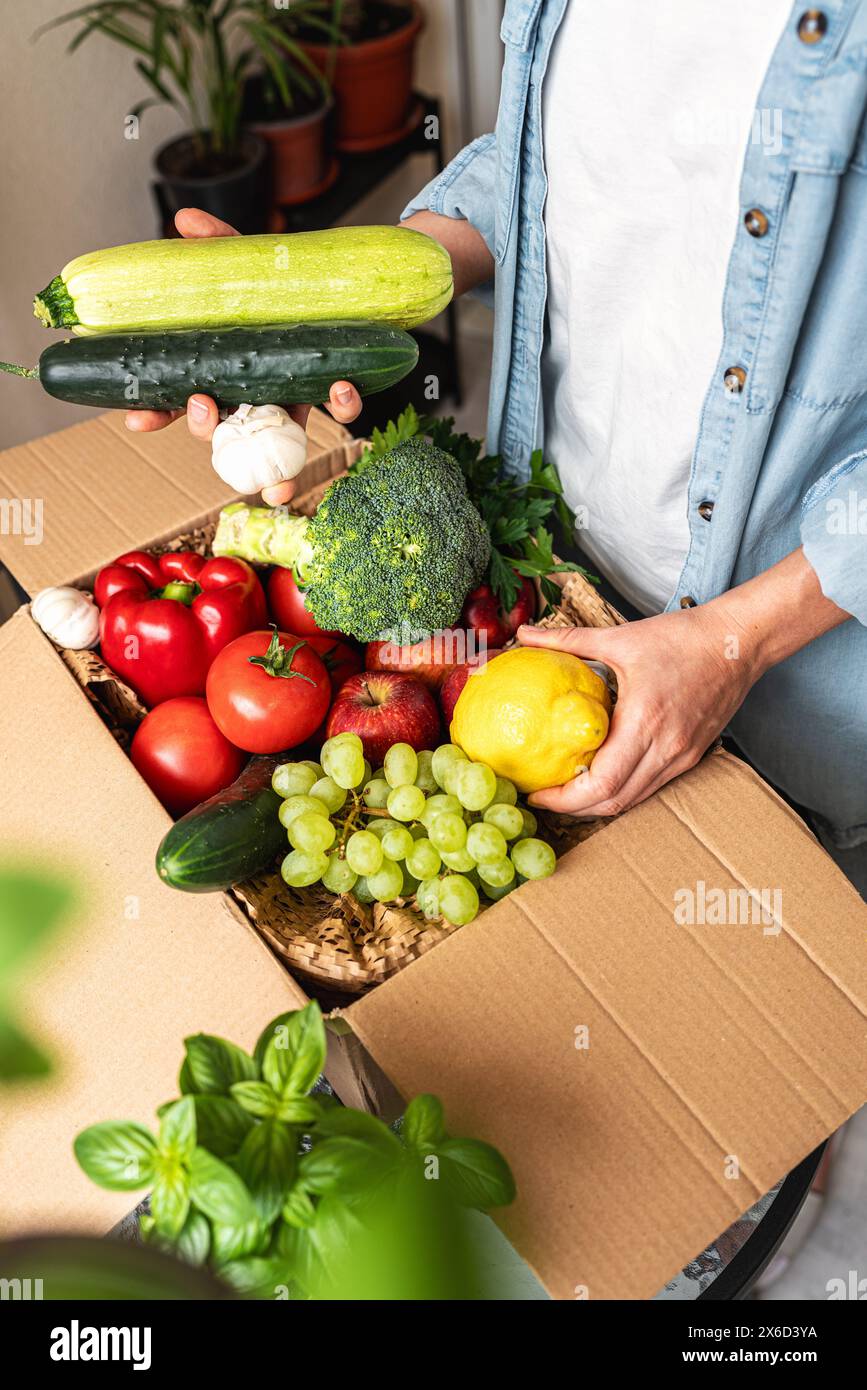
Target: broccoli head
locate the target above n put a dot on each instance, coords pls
(396, 547)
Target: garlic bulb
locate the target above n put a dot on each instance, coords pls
(68, 616)
(258, 446)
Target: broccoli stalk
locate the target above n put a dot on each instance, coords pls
(264, 536)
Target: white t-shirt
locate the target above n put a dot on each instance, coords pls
(647, 110)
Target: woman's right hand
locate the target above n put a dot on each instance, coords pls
(344, 402)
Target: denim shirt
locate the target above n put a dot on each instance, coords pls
(781, 454)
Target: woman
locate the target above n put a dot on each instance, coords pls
(682, 325)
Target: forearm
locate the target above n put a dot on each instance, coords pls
(778, 612)
(472, 262)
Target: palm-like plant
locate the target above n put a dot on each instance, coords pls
(196, 55)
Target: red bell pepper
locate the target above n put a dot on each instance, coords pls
(163, 620)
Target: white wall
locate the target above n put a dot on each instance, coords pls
(71, 181)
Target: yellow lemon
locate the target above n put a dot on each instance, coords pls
(533, 715)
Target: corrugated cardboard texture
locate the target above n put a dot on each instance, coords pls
(102, 489)
(141, 967)
(706, 1043)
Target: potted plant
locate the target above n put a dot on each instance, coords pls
(288, 103)
(196, 55)
(370, 69)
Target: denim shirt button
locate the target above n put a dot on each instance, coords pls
(812, 26)
(756, 222)
(734, 380)
(705, 510)
(687, 601)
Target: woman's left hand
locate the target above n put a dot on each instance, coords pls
(680, 676)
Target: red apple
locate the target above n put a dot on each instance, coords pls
(385, 707)
(455, 682)
(429, 661)
(483, 613)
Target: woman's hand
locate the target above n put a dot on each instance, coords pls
(202, 414)
(681, 676)
(678, 686)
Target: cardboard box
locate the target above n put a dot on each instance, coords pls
(648, 1071)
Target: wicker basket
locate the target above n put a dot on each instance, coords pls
(337, 945)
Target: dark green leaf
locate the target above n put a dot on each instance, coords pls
(255, 1097)
(222, 1125)
(299, 1110)
(504, 581)
(234, 1242)
(357, 1125)
(343, 1166)
(476, 1173)
(118, 1155)
(258, 1276)
(218, 1191)
(178, 1129)
(20, 1058)
(194, 1242)
(186, 1086)
(423, 1126)
(214, 1065)
(295, 1056)
(267, 1165)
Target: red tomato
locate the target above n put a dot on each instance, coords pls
(287, 605)
(268, 691)
(181, 754)
(342, 658)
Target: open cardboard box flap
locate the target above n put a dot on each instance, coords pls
(647, 1078)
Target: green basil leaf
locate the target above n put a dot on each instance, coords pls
(256, 1097)
(221, 1124)
(298, 1209)
(218, 1191)
(476, 1173)
(170, 1200)
(342, 1166)
(423, 1126)
(178, 1129)
(357, 1124)
(194, 1242)
(295, 1056)
(267, 1165)
(234, 1242)
(186, 1085)
(258, 1277)
(214, 1065)
(298, 1110)
(119, 1156)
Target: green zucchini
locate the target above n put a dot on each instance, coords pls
(388, 274)
(260, 366)
(227, 838)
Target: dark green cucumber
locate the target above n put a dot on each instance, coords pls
(261, 366)
(227, 838)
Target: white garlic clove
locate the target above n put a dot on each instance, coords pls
(258, 446)
(68, 616)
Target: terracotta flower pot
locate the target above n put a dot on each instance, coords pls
(372, 85)
(301, 164)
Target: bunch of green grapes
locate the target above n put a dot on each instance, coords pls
(431, 825)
